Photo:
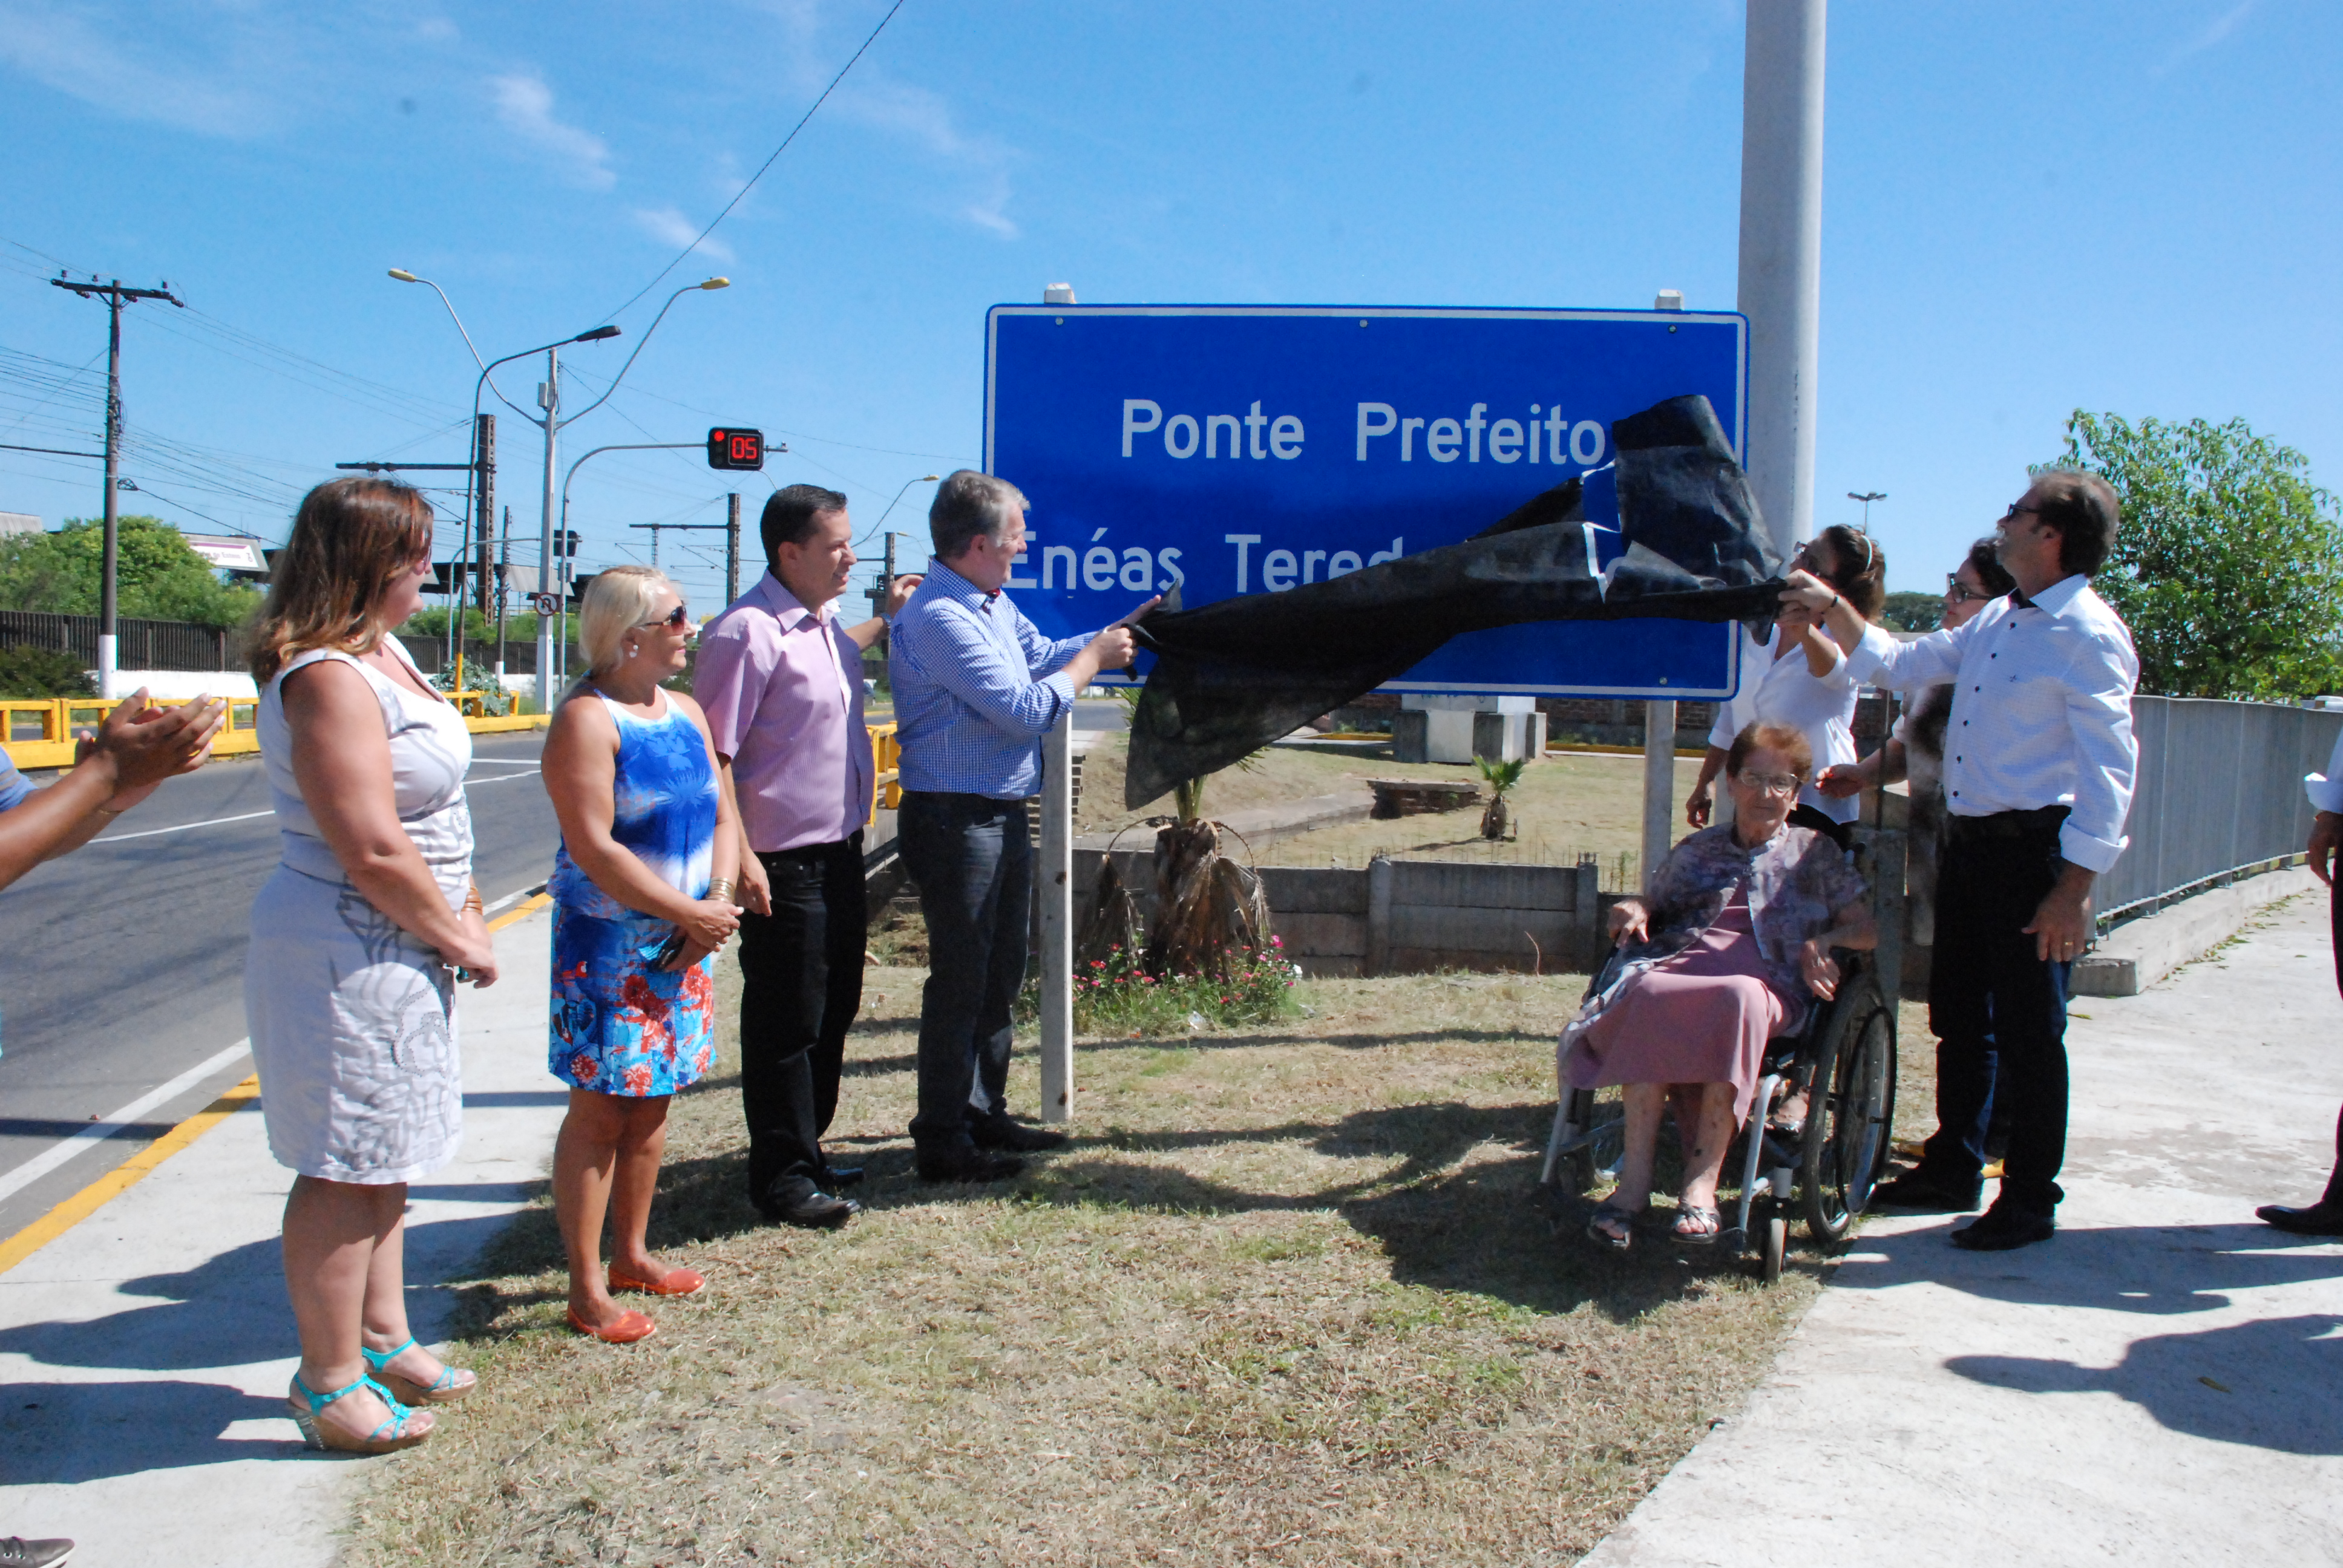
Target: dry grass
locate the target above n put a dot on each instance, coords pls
(1289, 1299)
(1566, 806)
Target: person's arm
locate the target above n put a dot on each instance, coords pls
(2325, 792)
(1699, 804)
(1044, 657)
(1883, 767)
(754, 888)
(728, 852)
(734, 668)
(956, 654)
(1852, 928)
(899, 594)
(580, 772)
(135, 749)
(1631, 922)
(1825, 662)
(341, 764)
(1874, 656)
(2098, 684)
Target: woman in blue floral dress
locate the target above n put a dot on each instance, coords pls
(642, 891)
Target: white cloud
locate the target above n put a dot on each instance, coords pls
(115, 65)
(525, 104)
(980, 162)
(668, 225)
(2213, 33)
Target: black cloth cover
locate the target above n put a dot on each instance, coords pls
(1231, 677)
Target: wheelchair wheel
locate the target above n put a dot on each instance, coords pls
(1848, 1111)
(1600, 1121)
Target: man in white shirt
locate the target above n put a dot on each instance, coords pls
(2039, 760)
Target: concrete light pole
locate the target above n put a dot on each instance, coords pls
(1781, 254)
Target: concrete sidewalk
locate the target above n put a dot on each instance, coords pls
(2162, 1383)
(143, 1354)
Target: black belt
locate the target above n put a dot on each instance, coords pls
(2043, 821)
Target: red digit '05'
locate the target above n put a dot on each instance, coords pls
(744, 449)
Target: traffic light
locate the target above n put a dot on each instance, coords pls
(731, 448)
(564, 542)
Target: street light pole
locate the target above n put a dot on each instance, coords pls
(115, 297)
(549, 397)
(1867, 498)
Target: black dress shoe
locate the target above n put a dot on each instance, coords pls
(1000, 1133)
(2321, 1219)
(817, 1210)
(2002, 1228)
(1917, 1192)
(839, 1176)
(968, 1165)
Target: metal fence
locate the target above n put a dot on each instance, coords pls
(2220, 792)
(141, 644)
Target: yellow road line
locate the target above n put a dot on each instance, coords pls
(135, 1170)
(129, 1173)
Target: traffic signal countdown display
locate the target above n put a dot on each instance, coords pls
(731, 448)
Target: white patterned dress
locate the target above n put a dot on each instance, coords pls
(353, 1019)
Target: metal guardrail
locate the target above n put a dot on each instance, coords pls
(2219, 796)
(39, 732)
(887, 766)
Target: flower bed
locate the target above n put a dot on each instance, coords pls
(1114, 995)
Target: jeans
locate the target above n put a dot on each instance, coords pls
(1998, 1009)
(974, 868)
(801, 985)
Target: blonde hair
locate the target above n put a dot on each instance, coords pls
(352, 539)
(617, 600)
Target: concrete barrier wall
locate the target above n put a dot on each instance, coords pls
(1406, 916)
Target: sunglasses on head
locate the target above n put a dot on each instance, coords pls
(676, 619)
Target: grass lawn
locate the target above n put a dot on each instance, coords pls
(1290, 1298)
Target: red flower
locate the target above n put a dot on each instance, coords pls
(637, 993)
(581, 1069)
(638, 1079)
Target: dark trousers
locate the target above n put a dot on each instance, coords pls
(801, 985)
(1998, 1010)
(974, 868)
(2333, 1197)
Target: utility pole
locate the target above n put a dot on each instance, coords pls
(548, 397)
(731, 547)
(504, 568)
(115, 297)
(484, 512)
(453, 649)
(1781, 255)
(732, 528)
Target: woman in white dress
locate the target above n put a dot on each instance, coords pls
(357, 942)
(1798, 677)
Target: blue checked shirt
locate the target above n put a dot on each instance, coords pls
(976, 687)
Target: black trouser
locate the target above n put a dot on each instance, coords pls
(2333, 1197)
(1994, 1004)
(801, 985)
(974, 868)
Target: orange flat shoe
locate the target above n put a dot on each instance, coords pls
(630, 1326)
(678, 1282)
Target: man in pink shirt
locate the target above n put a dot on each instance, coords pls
(780, 681)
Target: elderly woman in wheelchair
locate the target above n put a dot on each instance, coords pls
(1727, 949)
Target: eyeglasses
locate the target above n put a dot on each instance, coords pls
(676, 619)
(1960, 592)
(1772, 783)
(2017, 510)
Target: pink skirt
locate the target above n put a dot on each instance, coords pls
(1702, 1016)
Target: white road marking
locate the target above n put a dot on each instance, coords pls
(151, 832)
(89, 1138)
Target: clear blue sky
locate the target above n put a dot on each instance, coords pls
(2028, 208)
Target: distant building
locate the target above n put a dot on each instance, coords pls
(19, 523)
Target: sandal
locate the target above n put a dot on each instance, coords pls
(631, 1326)
(391, 1436)
(449, 1387)
(1612, 1226)
(674, 1282)
(1696, 1225)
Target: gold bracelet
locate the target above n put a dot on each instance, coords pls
(720, 890)
(472, 900)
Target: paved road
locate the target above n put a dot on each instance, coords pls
(122, 966)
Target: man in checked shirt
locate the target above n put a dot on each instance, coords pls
(2039, 760)
(976, 687)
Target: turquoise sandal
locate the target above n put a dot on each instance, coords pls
(449, 1387)
(387, 1438)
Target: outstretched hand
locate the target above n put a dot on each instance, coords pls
(147, 744)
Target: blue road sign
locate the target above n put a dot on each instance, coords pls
(1240, 449)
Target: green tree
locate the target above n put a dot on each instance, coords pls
(158, 575)
(2228, 568)
(1913, 611)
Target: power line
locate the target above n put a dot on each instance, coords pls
(768, 164)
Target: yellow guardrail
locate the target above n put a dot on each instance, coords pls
(40, 732)
(887, 766)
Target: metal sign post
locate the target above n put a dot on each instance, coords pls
(1230, 450)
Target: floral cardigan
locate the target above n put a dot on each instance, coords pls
(1797, 880)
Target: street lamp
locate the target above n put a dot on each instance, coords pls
(548, 401)
(1867, 498)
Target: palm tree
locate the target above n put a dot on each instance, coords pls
(1500, 777)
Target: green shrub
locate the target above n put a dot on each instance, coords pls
(28, 672)
(1114, 995)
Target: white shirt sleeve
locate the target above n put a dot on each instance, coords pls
(2099, 717)
(1880, 659)
(2326, 789)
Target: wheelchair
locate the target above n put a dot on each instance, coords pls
(1842, 1060)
